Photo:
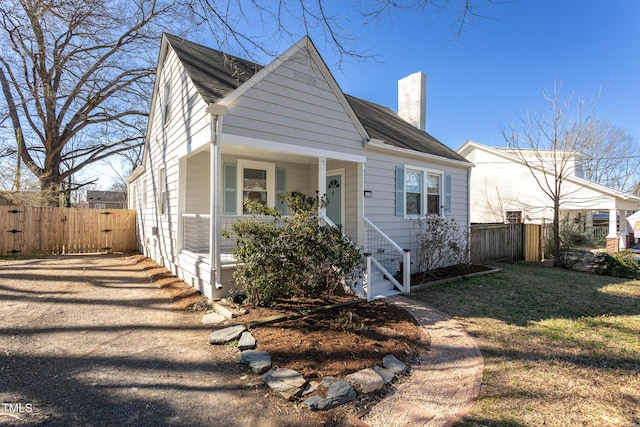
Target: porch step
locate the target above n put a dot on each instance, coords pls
(385, 294)
(379, 287)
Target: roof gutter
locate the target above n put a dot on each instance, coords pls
(379, 145)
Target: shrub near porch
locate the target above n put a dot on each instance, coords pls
(302, 259)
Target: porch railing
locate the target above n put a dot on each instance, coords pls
(382, 253)
(195, 232)
(388, 257)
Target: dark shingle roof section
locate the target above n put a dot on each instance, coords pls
(215, 74)
(384, 124)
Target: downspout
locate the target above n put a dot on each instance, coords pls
(469, 214)
(215, 206)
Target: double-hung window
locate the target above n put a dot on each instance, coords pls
(166, 104)
(244, 180)
(433, 194)
(162, 200)
(420, 191)
(413, 192)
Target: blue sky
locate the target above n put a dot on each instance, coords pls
(501, 65)
(499, 68)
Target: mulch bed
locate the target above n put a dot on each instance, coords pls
(328, 342)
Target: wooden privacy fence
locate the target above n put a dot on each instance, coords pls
(515, 242)
(42, 231)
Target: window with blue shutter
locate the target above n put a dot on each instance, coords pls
(399, 190)
(420, 191)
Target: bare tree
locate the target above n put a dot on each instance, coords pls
(549, 145)
(77, 75)
(611, 157)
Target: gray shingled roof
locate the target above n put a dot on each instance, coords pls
(384, 124)
(217, 74)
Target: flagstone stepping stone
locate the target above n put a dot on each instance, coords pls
(365, 381)
(212, 319)
(223, 336)
(259, 361)
(287, 382)
(394, 365)
(247, 341)
(386, 375)
(339, 392)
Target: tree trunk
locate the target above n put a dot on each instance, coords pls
(556, 232)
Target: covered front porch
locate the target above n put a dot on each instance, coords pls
(215, 180)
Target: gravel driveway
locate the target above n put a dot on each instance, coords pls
(89, 341)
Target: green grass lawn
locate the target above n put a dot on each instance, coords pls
(561, 348)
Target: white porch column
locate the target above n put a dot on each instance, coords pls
(215, 204)
(360, 207)
(322, 184)
(613, 229)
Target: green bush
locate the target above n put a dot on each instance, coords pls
(621, 264)
(305, 258)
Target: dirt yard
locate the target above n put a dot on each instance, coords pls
(89, 340)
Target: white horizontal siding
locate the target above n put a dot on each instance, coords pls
(187, 129)
(499, 185)
(380, 208)
(282, 109)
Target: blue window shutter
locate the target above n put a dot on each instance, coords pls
(447, 194)
(399, 190)
(230, 189)
(281, 189)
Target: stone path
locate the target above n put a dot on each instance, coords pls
(292, 385)
(440, 389)
(444, 382)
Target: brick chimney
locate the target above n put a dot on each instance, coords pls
(412, 99)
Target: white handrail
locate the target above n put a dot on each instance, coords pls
(406, 261)
(188, 215)
(387, 238)
(387, 273)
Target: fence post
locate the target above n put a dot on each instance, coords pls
(367, 276)
(406, 271)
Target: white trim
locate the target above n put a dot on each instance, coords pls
(241, 164)
(263, 144)
(322, 185)
(339, 172)
(360, 203)
(424, 192)
(379, 145)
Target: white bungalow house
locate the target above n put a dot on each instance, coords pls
(222, 129)
(504, 189)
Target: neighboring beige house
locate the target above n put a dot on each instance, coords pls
(107, 199)
(223, 129)
(503, 189)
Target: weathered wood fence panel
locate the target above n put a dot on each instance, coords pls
(532, 242)
(496, 241)
(38, 231)
(514, 242)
